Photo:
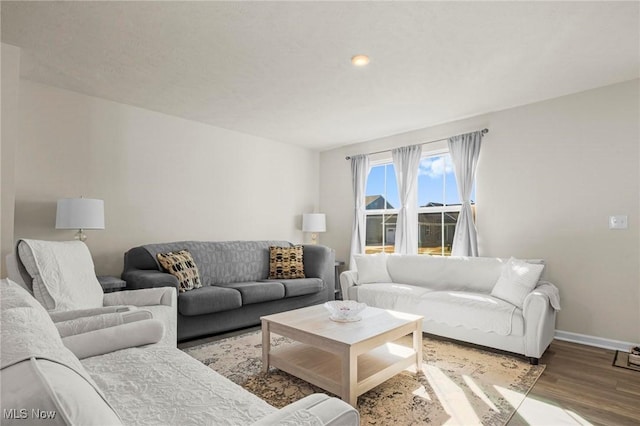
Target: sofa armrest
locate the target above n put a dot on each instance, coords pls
(105, 340)
(97, 322)
(539, 323)
(144, 278)
(82, 313)
(320, 262)
(142, 297)
(347, 279)
(161, 302)
(316, 409)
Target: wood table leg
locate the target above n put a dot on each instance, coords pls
(349, 376)
(266, 345)
(417, 345)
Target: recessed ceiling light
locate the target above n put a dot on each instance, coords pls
(360, 60)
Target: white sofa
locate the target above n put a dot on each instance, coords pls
(460, 299)
(43, 382)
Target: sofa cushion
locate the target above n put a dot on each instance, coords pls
(454, 308)
(208, 299)
(165, 386)
(516, 281)
(257, 292)
(181, 265)
(63, 274)
(397, 297)
(475, 311)
(223, 262)
(446, 273)
(300, 286)
(286, 262)
(372, 268)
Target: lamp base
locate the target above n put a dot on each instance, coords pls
(81, 236)
(314, 238)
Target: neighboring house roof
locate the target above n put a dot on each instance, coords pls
(434, 204)
(376, 202)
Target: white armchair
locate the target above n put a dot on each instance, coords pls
(60, 275)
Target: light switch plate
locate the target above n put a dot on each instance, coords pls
(618, 222)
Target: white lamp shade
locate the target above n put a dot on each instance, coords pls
(80, 213)
(314, 222)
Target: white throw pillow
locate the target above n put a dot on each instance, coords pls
(516, 281)
(372, 268)
(63, 274)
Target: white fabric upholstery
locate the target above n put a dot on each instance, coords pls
(97, 322)
(63, 396)
(549, 291)
(38, 371)
(516, 281)
(109, 339)
(446, 273)
(153, 385)
(372, 267)
(315, 409)
(161, 302)
(454, 296)
(63, 274)
(455, 308)
(81, 313)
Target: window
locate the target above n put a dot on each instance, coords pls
(381, 204)
(438, 206)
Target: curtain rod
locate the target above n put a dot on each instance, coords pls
(484, 132)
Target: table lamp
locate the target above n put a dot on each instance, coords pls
(80, 213)
(314, 223)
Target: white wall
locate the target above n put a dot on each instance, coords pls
(162, 178)
(549, 176)
(10, 58)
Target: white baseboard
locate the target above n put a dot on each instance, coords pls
(599, 342)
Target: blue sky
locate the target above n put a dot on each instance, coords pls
(436, 182)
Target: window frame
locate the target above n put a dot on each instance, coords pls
(442, 210)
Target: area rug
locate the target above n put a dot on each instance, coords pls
(458, 384)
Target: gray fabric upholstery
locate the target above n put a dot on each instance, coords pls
(300, 286)
(226, 261)
(256, 292)
(319, 262)
(236, 290)
(190, 327)
(138, 279)
(206, 300)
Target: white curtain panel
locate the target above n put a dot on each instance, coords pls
(465, 150)
(406, 161)
(359, 173)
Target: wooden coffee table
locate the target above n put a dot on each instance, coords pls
(346, 359)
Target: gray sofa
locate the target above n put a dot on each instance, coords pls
(235, 290)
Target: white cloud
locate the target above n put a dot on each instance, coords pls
(435, 167)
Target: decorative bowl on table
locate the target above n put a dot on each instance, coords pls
(344, 310)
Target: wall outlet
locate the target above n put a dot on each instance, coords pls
(618, 222)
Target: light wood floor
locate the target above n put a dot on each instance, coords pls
(579, 386)
(580, 383)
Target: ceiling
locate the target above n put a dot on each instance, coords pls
(282, 71)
